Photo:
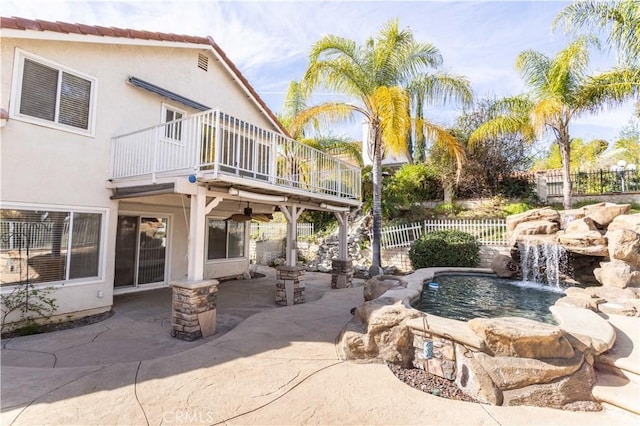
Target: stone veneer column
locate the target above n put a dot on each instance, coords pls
(342, 273)
(290, 285)
(194, 309)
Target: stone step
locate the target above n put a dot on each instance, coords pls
(619, 391)
(624, 354)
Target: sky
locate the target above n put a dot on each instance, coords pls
(269, 41)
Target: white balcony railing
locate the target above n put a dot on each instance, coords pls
(223, 145)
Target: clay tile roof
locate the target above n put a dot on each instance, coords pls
(9, 23)
(16, 23)
(27, 24)
(88, 29)
(69, 28)
(107, 32)
(48, 26)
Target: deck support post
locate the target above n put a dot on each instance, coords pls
(197, 232)
(342, 267)
(292, 213)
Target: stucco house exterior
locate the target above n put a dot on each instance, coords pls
(134, 159)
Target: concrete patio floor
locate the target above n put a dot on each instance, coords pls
(264, 365)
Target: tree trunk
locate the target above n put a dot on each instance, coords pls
(410, 143)
(420, 148)
(376, 208)
(565, 154)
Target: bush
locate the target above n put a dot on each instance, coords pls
(415, 183)
(516, 208)
(445, 248)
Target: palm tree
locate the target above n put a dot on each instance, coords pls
(374, 75)
(619, 19)
(431, 89)
(561, 90)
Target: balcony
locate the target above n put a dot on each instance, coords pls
(219, 148)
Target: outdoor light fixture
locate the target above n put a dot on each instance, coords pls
(620, 168)
(334, 208)
(257, 197)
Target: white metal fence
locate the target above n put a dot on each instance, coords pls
(276, 231)
(487, 231)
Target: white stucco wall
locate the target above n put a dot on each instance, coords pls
(52, 167)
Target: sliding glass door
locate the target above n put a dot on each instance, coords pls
(141, 250)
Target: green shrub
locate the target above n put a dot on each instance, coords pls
(447, 209)
(415, 183)
(445, 248)
(515, 208)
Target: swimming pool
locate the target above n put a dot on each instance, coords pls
(464, 297)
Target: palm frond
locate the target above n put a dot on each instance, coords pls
(325, 114)
(441, 88)
(610, 88)
(390, 106)
(620, 20)
(534, 68)
(448, 143)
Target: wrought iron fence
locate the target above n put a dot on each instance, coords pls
(597, 182)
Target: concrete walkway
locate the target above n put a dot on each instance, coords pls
(265, 365)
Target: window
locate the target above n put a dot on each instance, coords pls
(225, 239)
(51, 94)
(47, 246)
(172, 131)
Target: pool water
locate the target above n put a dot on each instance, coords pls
(464, 297)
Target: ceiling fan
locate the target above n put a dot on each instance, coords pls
(248, 214)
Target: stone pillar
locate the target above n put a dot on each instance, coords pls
(290, 285)
(194, 309)
(342, 273)
(542, 190)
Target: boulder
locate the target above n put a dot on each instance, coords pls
(617, 273)
(543, 214)
(584, 224)
(624, 308)
(558, 393)
(536, 227)
(588, 328)
(522, 337)
(591, 243)
(614, 293)
(624, 244)
(577, 302)
(473, 379)
(504, 266)
(567, 216)
(379, 331)
(513, 373)
(380, 284)
(604, 213)
(578, 297)
(626, 221)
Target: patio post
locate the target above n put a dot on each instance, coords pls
(342, 267)
(197, 231)
(292, 213)
(290, 285)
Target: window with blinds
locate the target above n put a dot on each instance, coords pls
(225, 239)
(51, 93)
(42, 246)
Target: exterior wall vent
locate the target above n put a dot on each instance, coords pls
(203, 62)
